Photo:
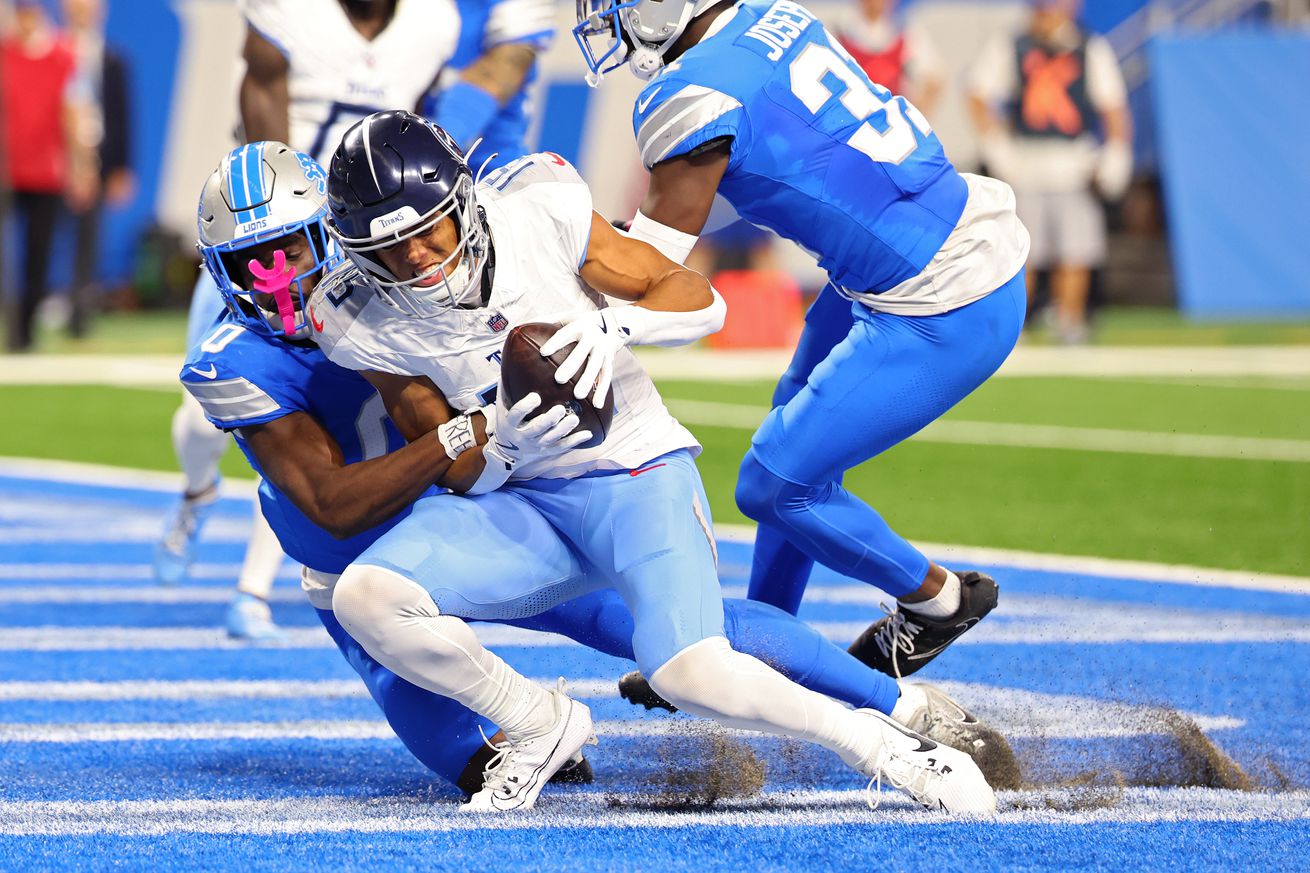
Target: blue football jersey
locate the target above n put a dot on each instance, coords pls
(819, 153)
(485, 24)
(242, 378)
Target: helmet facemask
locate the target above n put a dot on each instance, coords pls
(459, 274)
(636, 32)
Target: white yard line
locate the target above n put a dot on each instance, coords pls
(1210, 577)
(594, 810)
(702, 413)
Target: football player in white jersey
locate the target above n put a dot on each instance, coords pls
(442, 272)
(313, 68)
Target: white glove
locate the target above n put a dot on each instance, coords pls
(1114, 170)
(599, 337)
(518, 439)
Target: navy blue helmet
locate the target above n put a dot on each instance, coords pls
(394, 176)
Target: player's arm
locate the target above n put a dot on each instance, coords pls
(299, 456)
(672, 306)
(417, 406)
(679, 199)
(264, 97)
(468, 106)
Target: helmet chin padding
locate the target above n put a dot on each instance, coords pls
(645, 61)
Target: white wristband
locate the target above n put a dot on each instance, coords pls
(673, 244)
(457, 436)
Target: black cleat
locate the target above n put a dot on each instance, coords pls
(942, 719)
(904, 641)
(634, 688)
(577, 772)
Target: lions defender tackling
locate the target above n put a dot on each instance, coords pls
(758, 102)
(337, 476)
(444, 268)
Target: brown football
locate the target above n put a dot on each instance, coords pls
(523, 370)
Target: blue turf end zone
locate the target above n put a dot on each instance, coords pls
(133, 735)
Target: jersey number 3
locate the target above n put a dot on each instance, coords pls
(886, 134)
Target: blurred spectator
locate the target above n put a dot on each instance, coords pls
(900, 58)
(104, 131)
(1051, 110)
(43, 161)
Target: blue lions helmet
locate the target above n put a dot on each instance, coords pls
(394, 176)
(640, 32)
(260, 193)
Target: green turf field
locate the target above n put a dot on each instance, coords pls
(1223, 511)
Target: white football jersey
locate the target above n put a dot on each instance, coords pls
(539, 212)
(338, 77)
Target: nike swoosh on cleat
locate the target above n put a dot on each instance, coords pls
(211, 373)
(919, 656)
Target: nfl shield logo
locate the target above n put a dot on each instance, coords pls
(498, 322)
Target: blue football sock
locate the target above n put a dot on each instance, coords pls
(805, 656)
(779, 571)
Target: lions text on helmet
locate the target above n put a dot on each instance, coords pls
(262, 235)
(404, 212)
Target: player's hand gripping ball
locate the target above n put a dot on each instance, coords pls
(523, 371)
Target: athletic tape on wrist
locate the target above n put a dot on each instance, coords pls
(457, 436)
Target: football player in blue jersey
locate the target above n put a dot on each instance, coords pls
(758, 102)
(336, 476)
(494, 65)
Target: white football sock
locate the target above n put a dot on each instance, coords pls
(912, 699)
(198, 444)
(398, 624)
(263, 559)
(944, 605)
(712, 680)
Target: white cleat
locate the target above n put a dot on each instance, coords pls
(936, 776)
(516, 774)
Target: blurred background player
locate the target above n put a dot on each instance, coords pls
(47, 163)
(1052, 115)
(313, 68)
(108, 125)
(926, 267)
(485, 88)
(899, 57)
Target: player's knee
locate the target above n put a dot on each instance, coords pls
(759, 490)
(702, 680)
(367, 600)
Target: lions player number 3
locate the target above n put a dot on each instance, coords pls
(891, 145)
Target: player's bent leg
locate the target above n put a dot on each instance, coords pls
(248, 615)
(399, 625)
(779, 570)
(199, 447)
(891, 377)
(443, 734)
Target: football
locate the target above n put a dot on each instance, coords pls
(523, 370)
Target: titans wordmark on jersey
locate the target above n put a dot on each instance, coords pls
(242, 379)
(830, 160)
(539, 212)
(337, 76)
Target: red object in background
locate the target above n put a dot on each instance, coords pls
(765, 310)
(885, 68)
(33, 118)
